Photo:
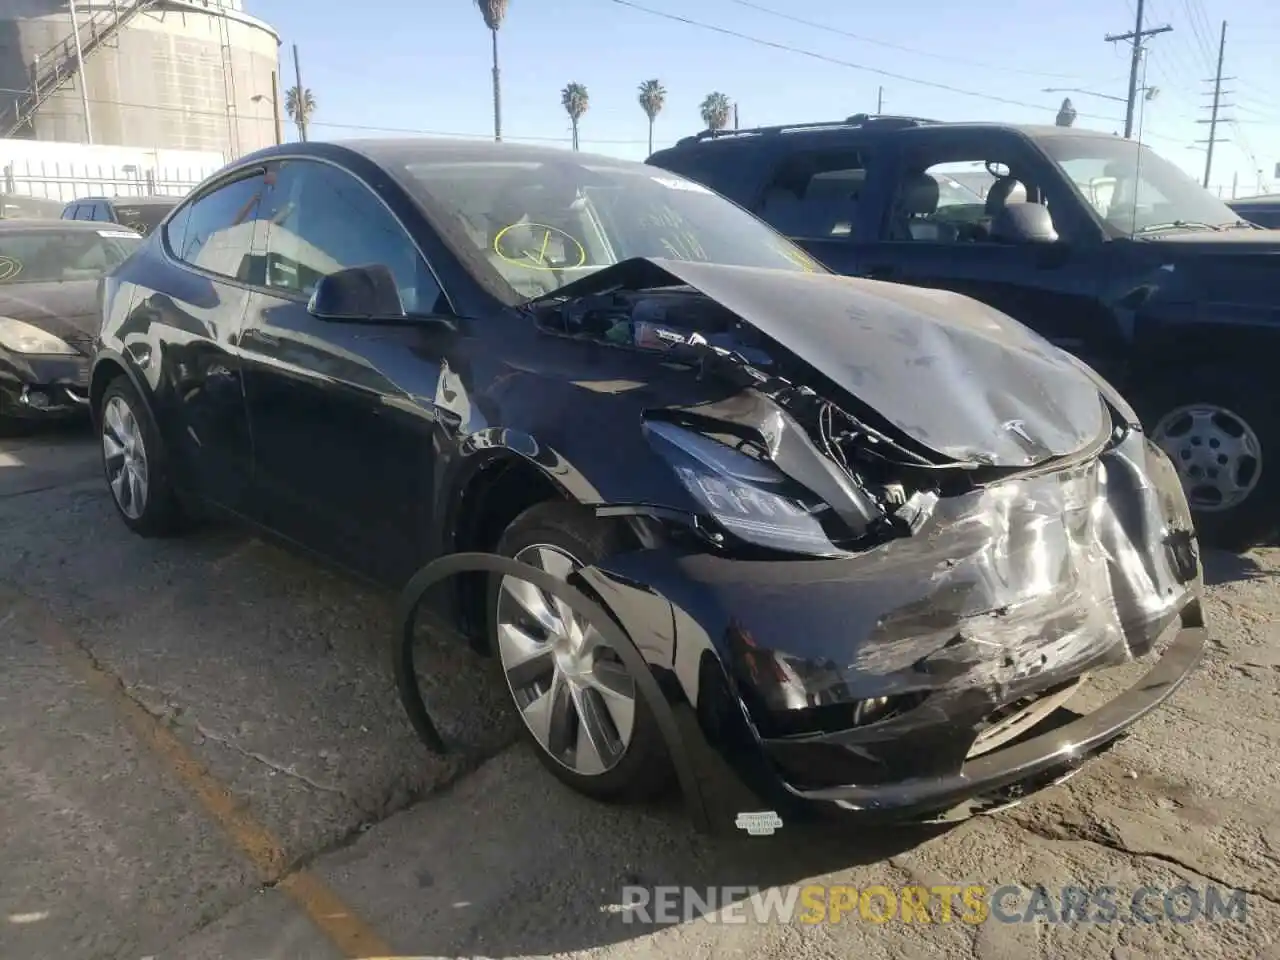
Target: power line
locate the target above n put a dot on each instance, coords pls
(725, 31)
(220, 115)
(827, 28)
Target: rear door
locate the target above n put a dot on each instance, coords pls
(183, 331)
(342, 413)
(816, 197)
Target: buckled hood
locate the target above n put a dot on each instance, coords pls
(951, 373)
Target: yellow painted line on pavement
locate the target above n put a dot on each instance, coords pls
(338, 922)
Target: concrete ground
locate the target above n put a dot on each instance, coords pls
(202, 756)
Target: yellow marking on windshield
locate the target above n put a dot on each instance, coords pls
(527, 259)
(799, 259)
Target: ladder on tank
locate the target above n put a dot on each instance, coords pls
(62, 66)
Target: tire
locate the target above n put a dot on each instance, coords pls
(133, 448)
(636, 767)
(1205, 425)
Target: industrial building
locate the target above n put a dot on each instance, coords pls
(176, 75)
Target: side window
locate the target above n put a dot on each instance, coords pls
(814, 195)
(322, 219)
(217, 229)
(101, 211)
(951, 193)
(69, 211)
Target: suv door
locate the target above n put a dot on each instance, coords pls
(342, 413)
(187, 320)
(928, 237)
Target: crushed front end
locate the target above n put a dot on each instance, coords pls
(933, 675)
(889, 609)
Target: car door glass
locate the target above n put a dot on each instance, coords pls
(952, 198)
(814, 195)
(218, 233)
(101, 212)
(322, 219)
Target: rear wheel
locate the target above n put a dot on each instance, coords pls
(1224, 438)
(584, 712)
(135, 463)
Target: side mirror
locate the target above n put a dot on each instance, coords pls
(1023, 223)
(357, 294)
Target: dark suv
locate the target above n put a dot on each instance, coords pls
(1093, 241)
(140, 214)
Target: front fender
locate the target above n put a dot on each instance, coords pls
(107, 363)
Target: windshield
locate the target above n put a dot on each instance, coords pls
(142, 217)
(1135, 190)
(46, 256)
(953, 193)
(543, 225)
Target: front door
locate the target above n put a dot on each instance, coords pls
(936, 233)
(342, 413)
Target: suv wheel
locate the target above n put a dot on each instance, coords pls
(583, 711)
(1224, 438)
(135, 463)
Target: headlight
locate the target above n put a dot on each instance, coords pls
(24, 338)
(749, 498)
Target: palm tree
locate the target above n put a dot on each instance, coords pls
(494, 12)
(575, 101)
(300, 106)
(653, 97)
(715, 110)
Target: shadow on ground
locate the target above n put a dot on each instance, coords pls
(1221, 566)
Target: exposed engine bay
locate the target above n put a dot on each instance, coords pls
(872, 486)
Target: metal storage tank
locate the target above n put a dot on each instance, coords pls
(159, 74)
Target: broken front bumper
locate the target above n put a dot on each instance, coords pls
(760, 671)
(40, 387)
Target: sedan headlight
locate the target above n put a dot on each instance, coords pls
(749, 498)
(22, 337)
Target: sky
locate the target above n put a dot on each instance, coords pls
(379, 67)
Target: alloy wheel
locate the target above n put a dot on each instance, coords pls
(1217, 453)
(125, 457)
(572, 690)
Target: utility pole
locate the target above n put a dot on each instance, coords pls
(1218, 105)
(735, 115)
(1135, 38)
(880, 103)
(301, 105)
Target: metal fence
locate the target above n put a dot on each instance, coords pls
(68, 181)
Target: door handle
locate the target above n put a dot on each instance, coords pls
(881, 271)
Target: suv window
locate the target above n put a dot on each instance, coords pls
(930, 203)
(101, 212)
(813, 195)
(322, 219)
(215, 232)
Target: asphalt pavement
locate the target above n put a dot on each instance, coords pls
(202, 756)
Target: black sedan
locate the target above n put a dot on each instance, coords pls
(49, 312)
(846, 545)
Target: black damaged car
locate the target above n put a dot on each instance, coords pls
(814, 544)
(50, 314)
